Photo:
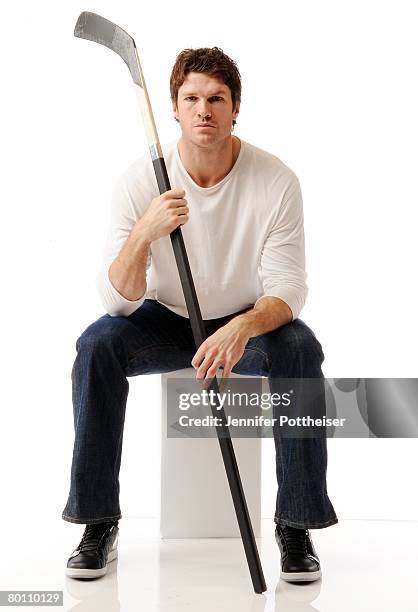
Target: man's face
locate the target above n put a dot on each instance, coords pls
(204, 101)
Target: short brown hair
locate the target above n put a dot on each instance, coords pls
(212, 61)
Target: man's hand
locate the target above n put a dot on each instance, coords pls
(165, 213)
(224, 349)
(226, 346)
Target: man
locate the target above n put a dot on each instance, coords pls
(241, 214)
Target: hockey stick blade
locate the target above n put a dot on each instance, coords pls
(102, 31)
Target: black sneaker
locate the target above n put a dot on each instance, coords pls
(300, 562)
(98, 547)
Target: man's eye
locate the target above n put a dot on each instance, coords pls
(214, 98)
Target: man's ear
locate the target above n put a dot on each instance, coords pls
(175, 111)
(236, 111)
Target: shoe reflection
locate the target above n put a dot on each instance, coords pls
(94, 595)
(296, 597)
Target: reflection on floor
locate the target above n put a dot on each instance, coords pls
(366, 565)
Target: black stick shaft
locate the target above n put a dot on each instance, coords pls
(224, 438)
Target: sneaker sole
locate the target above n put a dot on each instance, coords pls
(301, 576)
(76, 572)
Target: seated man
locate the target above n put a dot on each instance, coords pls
(241, 214)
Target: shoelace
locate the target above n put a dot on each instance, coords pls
(295, 540)
(92, 536)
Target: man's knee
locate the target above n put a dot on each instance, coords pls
(296, 337)
(105, 332)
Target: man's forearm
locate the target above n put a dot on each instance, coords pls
(268, 314)
(128, 271)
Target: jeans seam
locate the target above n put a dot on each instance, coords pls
(83, 519)
(332, 521)
(255, 349)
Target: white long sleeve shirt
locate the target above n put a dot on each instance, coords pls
(244, 237)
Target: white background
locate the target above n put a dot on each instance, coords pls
(330, 88)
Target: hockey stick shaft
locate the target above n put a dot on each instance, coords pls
(225, 442)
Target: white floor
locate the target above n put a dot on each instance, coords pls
(367, 565)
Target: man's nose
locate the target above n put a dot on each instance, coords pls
(204, 110)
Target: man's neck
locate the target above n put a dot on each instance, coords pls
(208, 167)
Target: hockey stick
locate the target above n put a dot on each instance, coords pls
(97, 29)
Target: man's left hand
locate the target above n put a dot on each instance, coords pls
(223, 349)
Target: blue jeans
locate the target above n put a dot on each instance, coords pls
(154, 340)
